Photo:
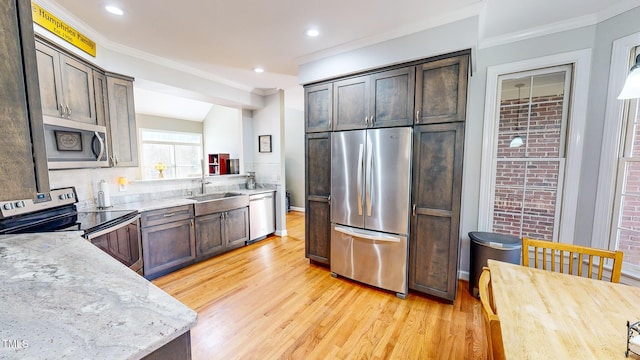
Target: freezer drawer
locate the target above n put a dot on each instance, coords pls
(374, 258)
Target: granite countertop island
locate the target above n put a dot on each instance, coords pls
(62, 297)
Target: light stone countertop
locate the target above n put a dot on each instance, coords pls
(62, 297)
(163, 203)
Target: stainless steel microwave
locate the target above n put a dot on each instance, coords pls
(72, 145)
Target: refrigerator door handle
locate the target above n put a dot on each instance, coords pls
(369, 176)
(367, 234)
(359, 177)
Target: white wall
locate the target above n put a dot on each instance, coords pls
(294, 155)
(223, 133)
(270, 167)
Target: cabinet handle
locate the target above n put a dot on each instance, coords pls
(417, 116)
(413, 211)
(61, 110)
(68, 111)
(366, 120)
(372, 122)
(169, 215)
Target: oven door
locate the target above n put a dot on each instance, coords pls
(121, 241)
(71, 145)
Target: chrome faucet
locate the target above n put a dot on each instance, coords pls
(204, 184)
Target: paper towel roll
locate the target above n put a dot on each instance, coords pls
(104, 200)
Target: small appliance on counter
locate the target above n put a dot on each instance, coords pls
(251, 180)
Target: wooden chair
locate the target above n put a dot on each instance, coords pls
(545, 253)
(495, 349)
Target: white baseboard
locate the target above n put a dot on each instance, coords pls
(281, 233)
(294, 208)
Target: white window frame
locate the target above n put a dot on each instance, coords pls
(611, 142)
(581, 61)
(142, 142)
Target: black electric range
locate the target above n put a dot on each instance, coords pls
(56, 211)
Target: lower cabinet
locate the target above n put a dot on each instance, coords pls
(122, 244)
(168, 240)
(318, 198)
(437, 183)
(220, 232)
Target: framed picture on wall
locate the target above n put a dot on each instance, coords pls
(264, 143)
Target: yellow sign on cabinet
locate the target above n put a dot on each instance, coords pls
(48, 21)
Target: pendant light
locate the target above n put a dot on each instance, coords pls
(517, 140)
(631, 87)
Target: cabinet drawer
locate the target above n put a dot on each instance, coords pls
(163, 216)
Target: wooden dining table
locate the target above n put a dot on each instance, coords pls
(550, 315)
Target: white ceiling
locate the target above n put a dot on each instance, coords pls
(228, 38)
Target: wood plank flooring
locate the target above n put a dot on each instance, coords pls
(266, 301)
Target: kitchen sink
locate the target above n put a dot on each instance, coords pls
(214, 196)
(219, 202)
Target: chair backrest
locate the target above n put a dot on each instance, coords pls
(495, 349)
(547, 252)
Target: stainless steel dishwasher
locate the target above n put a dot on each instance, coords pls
(262, 220)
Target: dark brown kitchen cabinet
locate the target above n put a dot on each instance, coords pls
(168, 240)
(437, 183)
(318, 191)
(221, 232)
(24, 166)
(122, 244)
(122, 121)
(441, 90)
(382, 99)
(351, 103)
(318, 112)
(392, 94)
(66, 86)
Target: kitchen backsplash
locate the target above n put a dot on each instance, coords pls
(86, 184)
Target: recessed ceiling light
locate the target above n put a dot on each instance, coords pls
(313, 32)
(114, 10)
(258, 70)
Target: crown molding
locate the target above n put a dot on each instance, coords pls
(428, 23)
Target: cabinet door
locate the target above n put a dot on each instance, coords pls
(318, 112)
(236, 227)
(168, 247)
(51, 94)
(77, 87)
(122, 244)
(318, 191)
(122, 122)
(437, 183)
(24, 168)
(441, 90)
(393, 95)
(101, 99)
(351, 103)
(209, 236)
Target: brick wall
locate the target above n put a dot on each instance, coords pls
(527, 177)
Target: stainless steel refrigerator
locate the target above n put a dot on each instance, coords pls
(370, 202)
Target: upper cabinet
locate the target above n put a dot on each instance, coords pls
(318, 107)
(382, 99)
(122, 121)
(24, 165)
(392, 93)
(351, 103)
(66, 86)
(441, 90)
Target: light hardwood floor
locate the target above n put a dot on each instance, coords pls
(266, 301)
